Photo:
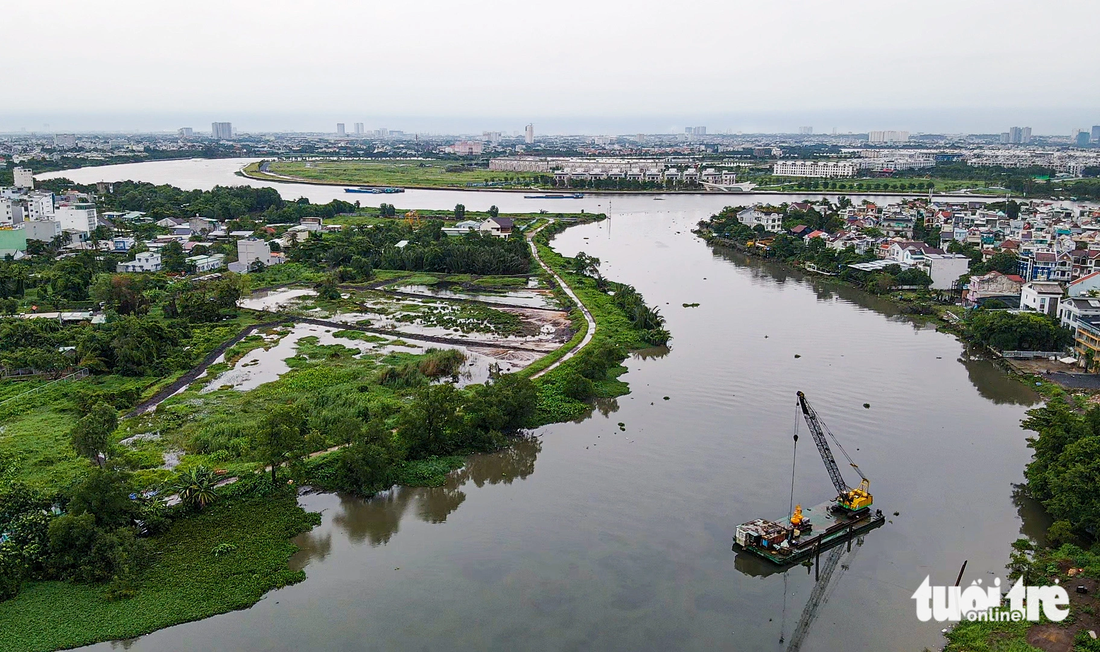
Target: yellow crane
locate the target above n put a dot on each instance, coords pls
(848, 499)
(412, 218)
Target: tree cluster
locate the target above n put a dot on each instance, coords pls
(1025, 331)
(427, 249)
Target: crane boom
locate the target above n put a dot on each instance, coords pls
(847, 498)
(814, 424)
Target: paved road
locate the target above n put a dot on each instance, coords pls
(569, 292)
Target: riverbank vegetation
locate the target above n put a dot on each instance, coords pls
(624, 323)
(89, 547)
(1004, 331)
(1064, 476)
(725, 229)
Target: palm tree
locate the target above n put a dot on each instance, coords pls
(196, 487)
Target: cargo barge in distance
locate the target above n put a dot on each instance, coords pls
(806, 532)
(375, 191)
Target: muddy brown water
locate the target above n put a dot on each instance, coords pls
(593, 537)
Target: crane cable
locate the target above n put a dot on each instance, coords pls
(794, 458)
(790, 511)
(836, 441)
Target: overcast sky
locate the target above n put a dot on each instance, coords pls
(600, 66)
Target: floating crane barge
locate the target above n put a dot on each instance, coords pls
(806, 532)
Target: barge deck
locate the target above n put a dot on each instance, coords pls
(823, 527)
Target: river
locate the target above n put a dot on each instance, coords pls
(594, 538)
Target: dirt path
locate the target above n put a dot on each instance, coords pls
(569, 292)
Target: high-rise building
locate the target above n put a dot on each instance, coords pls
(529, 134)
(340, 130)
(1081, 138)
(1016, 136)
(699, 131)
(221, 130)
(64, 141)
(1096, 133)
(358, 128)
(24, 178)
(887, 136)
(186, 132)
(805, 131)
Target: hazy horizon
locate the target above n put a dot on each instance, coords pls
(613, 67)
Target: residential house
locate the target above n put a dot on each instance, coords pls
(42, 230)
(202, 225)
(77, 217)
(122, 244)
(1086, 343)
(146, 261)
(945, 269)
(1072, 311)
(994, 285)
(462, 228)
(251, 250)
(1045, 266)
(772, 221)
(1085, 286)
(498, 226)
(204, 264)
(1041, 296)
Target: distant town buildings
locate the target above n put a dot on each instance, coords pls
(887, 136)
(186, 132)
(465, 148)
(221, 130)
(64, 141)
(818, 169)
(520, 164)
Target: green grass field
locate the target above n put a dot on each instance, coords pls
(399, 173)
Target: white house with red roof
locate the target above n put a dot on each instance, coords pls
(1087, 285)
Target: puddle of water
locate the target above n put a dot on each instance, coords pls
(526, 297)
(270, 300)
(261, 366)
(549, 329)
